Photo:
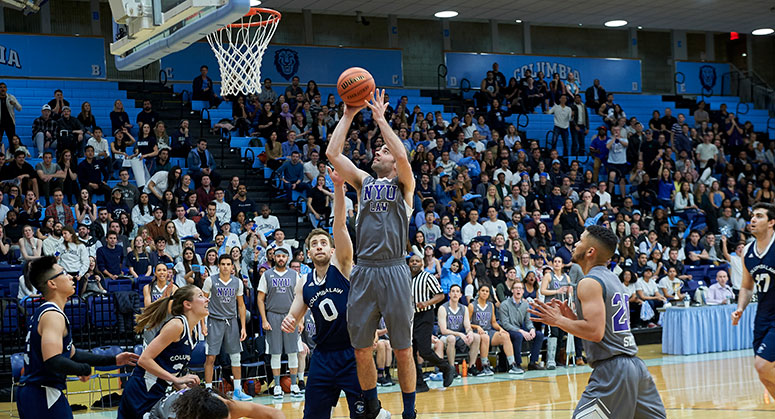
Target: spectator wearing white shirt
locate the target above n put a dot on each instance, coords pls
(477, 142)
(650, 245)
(706, 150)
(648, 291)
(493, 226)
(669, 283)
(617, 158)
(605, 197)
(266, 223)
(53, 242)
(509, 180)
(562, 116)
(720, 292)
(222, 209)
(100, 144)
(311, 171)
(186, 228)
(472, 228)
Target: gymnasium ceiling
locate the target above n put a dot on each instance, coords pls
(693, 15)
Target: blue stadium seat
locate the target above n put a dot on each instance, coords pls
(102, 312)
(698, 273)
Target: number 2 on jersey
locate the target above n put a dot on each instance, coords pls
(328, 310)
(621, 319)
(763, 282)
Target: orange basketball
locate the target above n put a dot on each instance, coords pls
(355, 86)
(285, 383)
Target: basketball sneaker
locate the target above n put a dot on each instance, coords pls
(302, 386)
(474, 372)
(515, 370)
(296, 391)
(449, 375)
(487, 371)
(240, 396)
(278, 392)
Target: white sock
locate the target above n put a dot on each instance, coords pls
(208, 385)
(237, 384)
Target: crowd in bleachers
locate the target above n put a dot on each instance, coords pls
(677, 190)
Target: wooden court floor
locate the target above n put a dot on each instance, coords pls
(714, 386)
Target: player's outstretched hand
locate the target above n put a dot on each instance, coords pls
(565, 309)
(377, 104)
(127, 358)
(352, 110)
(545, 313)
(190, 380)
(736, 315)
(289, 322)
(338, 180)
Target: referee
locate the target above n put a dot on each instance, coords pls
(426, 293)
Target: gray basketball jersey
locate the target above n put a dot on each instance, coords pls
(455, 319)
(482, 316)
(223, 298)
(618, 339)
(382, 226)
(157, 292)
(279, 290)
(557, 282)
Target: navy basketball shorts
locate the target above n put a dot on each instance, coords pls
(222, 333)
(137, 399)
(330, 373)
(380, 289)
(764, 340)
(35, 402)
(620, 387)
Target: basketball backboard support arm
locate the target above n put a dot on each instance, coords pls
(151, 32)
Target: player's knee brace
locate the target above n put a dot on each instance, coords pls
(235, 360)
(293, 360)
(275, 362)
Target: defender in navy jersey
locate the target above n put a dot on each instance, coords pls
(325, 291)
(50, 355)
(759, 270)
(162, 363)
(381, 281)
(620, 385)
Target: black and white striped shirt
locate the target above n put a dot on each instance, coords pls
(424, 287)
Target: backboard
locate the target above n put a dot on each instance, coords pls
(147, 30)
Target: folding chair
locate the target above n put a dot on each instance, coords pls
(103, 373)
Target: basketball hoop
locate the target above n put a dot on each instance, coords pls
(239, 48)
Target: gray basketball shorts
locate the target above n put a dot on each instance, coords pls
(279, 342)
(380, 288)
(620, 387)
(222, 333)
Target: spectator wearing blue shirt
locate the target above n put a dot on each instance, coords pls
(290, 146)
(209, 226)
(444, 190)
(469, 161)
(455, 268)
(203, 88)
(90, 173)
(200, 162)
(681, 141)
(598, 150)
(665, 189)
(110, 258)
(291, 173)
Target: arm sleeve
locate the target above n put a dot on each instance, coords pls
(62, 365)
(93, 359)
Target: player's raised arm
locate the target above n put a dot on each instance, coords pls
(343, 246)
(342, 164)
(394, 144)
(297, 311)
(746, 291)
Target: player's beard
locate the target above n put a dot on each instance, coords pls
(577, 257)
(280, 265)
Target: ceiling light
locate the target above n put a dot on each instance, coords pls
(763, 31)
(615, 23)
(581, 24)
(745, 55)
(519, 21)
(640, 27)
(445, 14)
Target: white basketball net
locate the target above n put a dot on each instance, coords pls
(239, 49)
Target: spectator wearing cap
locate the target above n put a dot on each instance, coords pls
(69, 133)
(598, 149)
(44, 130)
(555, 172)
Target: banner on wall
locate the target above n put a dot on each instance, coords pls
(61, 57)
(615, 74)
(282, 62)
(696, 78)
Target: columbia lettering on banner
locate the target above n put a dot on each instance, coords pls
(45, 56)
(615, 74)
